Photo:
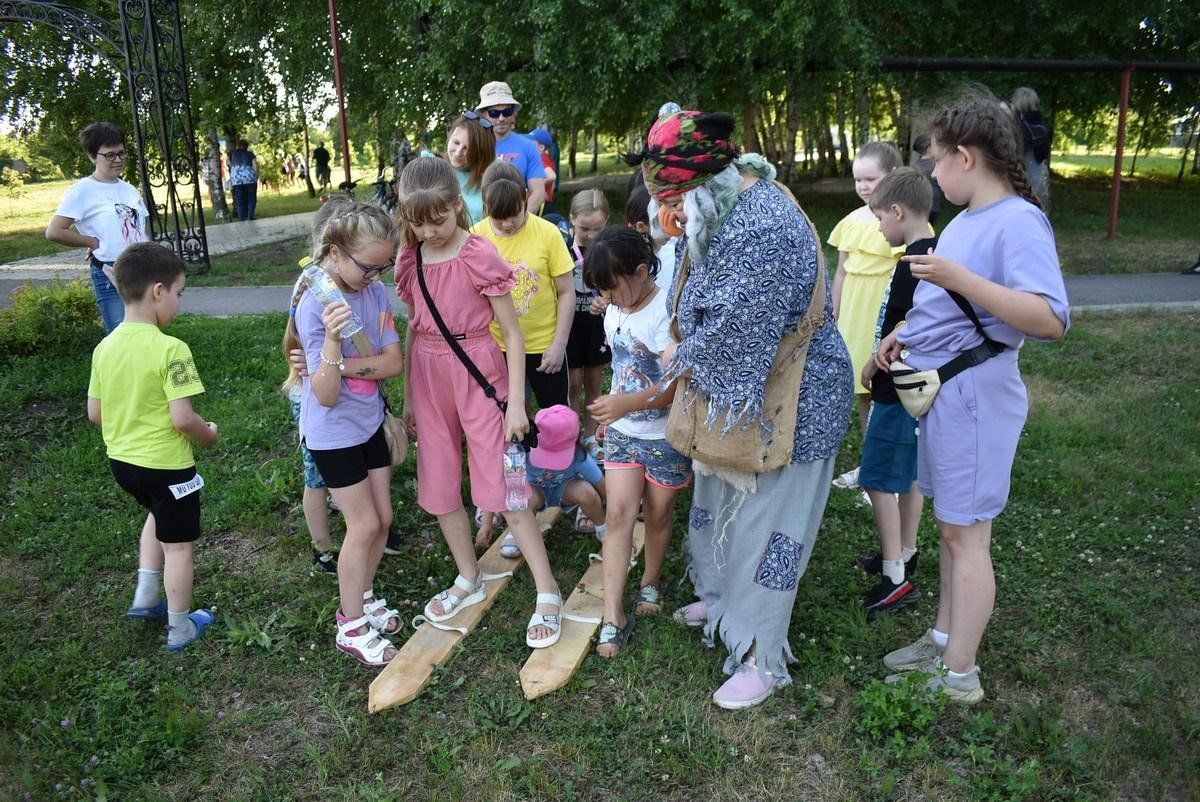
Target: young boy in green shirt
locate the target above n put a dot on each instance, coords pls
(140, 393)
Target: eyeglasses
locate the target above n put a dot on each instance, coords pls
(369, 271)
(483, 121)
(506, 112)
(114, 156)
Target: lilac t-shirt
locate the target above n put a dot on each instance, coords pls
(1009, 242)
(358, 413)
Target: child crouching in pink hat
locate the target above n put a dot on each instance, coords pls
(560, 474)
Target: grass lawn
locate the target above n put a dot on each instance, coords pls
(1089, 663)
(23, 222)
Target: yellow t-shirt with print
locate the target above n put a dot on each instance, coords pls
(136, 372)
(537, 255)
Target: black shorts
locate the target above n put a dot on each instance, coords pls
(586, 347)
(343, 467)
(548, 388)
(176, 520)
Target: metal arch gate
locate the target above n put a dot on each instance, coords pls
(148, 49)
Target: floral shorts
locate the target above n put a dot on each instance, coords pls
(664, 466)
(312, 475)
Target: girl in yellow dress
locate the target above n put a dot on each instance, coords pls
(865, 264)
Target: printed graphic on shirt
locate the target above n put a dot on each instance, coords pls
(131, 229)
(637, 368)
(526, 287)
(182, 372)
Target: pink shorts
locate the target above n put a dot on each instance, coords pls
(448, 403)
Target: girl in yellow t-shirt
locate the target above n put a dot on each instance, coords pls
(865, 264)
(544, 294)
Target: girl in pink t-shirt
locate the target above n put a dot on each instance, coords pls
(470, 285)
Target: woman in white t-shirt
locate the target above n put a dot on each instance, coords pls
(103, 214)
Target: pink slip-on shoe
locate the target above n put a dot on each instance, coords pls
(747, 687)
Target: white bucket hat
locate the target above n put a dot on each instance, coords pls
(496, 93)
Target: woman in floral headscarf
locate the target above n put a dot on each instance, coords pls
(752, 275)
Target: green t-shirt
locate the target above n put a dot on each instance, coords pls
(136, 372)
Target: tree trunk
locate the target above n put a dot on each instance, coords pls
(212, 171)
(573, 150)
(1192, 138)
(312, 191)
(840, 111)
(595, 151)
(1143, 135)
(862, 123)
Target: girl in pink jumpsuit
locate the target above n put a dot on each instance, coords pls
(470, 285)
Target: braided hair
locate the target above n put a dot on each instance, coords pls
(982, 123)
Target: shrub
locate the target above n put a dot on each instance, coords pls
(46, 318)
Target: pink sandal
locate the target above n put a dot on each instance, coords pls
(692, 615)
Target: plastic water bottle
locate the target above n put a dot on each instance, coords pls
(516, 487)
(327, 292)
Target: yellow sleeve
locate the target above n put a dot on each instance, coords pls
(559, 261)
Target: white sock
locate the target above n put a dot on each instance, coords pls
(960, 676)
(940, 638)
(600, 529)
(182, 628)
(906, 553)
(146, 594)
(894, 570)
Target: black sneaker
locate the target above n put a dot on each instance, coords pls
(1194, 270)
(324, 562)
(888, 595)
(872, 563)
(393, 541)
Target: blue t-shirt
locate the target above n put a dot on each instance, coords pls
(521, 152)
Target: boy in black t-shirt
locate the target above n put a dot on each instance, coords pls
(901, 202)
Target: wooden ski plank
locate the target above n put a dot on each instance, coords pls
(403, 679)
(547, 670)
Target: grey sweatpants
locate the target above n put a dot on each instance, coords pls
(747, 552)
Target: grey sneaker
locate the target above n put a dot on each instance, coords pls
(916, 656)
(965, 689)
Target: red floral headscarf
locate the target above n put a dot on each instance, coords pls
(685, 149)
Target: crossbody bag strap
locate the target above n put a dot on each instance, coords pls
(489, 389)
(969, 310)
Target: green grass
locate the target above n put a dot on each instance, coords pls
(23, 221)
(1089, 660)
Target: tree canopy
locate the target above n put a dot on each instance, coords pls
(788, 67)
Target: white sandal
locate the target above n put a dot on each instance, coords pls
(379, 614)
(551, 621)
(451, 604)
(367, 648)
(509, 547)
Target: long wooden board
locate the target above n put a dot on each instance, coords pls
(547, 670)
(403, 679)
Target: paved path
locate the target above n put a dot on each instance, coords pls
(1120, 293)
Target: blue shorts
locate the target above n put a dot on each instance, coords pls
(312, 476)
(664, 466)
(889, 455)
(554, 483)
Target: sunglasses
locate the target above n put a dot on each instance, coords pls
(483, 121)
(114, 156)
(506, 112)
(369, 271)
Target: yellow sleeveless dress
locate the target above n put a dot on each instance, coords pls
(869, 265)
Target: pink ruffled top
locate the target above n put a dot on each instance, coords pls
(460, 287)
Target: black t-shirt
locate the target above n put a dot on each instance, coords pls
(899, 301)
(321, 156)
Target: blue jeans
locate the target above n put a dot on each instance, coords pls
(245, 199)
(112, 309)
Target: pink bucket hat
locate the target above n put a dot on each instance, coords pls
(558, 429)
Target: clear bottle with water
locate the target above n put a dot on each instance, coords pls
(326, 291)
(516, 486)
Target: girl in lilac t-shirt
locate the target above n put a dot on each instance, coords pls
(341, 409)
(999, 254)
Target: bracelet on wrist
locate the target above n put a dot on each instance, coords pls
(339, 363)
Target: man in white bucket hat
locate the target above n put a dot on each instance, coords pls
(497, 103)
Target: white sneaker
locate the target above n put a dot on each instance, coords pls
(848, 480)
